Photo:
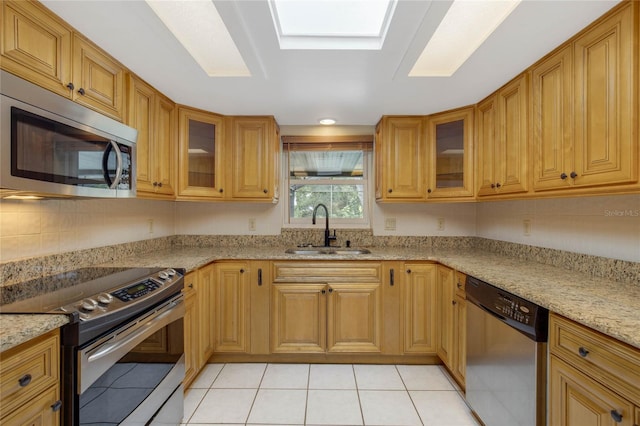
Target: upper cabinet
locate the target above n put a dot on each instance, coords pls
(502, 132)
(450, 140)
(585, 96)
(248, 147)
(41, 48)
(200, 158)
(153, 115)
(400, 159)
(254, 145)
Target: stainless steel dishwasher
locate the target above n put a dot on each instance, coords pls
(506, 357)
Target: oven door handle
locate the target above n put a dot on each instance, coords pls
(98, 358)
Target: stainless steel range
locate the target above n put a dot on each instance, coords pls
(123, 350)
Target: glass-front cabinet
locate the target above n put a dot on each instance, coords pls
(201, 172)
(450, 136)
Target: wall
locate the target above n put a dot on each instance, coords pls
(607, 226)
(36, 228)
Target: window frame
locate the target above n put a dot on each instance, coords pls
(366, 182)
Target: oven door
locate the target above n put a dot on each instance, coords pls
(130, 374)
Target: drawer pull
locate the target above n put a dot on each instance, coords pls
(24, 380)
(617, 417)
(583, 352)
(56, 405)
(259, 276)
(392, 278)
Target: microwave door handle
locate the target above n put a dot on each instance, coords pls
(105, 165)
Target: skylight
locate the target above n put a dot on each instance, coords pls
(200, 29)
(331, 24)
(464, 28)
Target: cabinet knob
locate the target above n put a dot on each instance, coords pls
(24, 380)
(389, 190)
(429, 190)
(221, 190)
(70, 86)
(155, 183)
(573, 175)
(583, 352)
(242, 271)
(459, 284)
(408, 271)
(160, 184)
(563, 176)
(493, 185)
(81, 91)
(330, 290)
(266, 191)
(617, 417)
(56, 405)
(324, 291)
(190, 285)
(453, 302)
(498, 185)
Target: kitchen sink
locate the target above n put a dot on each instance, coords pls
(326, 250)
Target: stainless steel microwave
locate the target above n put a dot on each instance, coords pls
(53, 146)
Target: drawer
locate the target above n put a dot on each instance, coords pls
(607, 360)
(39, 359)
(326, 272)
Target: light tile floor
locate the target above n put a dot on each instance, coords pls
(325, 394)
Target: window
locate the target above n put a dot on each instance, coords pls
(329, 170)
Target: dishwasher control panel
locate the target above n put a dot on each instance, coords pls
(514, 307)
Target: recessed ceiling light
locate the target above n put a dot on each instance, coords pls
(198, 26)
(23, 197)
(463, 29)
(335, 25)
(327, 121)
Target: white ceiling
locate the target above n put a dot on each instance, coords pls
(300, 87)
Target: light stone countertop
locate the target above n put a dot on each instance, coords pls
(609, 306)
(19, 328)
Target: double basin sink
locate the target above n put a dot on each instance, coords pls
(310, 251)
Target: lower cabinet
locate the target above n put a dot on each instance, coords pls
(593, 379)
(452, 320)
(420, 319)
(30, 382)
(230, 303)
(191, 329)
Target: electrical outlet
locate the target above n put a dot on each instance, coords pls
(252, 224)
(390, 224)
(526, 227)
(150, 222)
(441, 224)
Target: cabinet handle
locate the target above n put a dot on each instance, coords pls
(459, 284)
(617, 417)
(242, 271)
(324, 291)
(330, 290)
(583, 352)
(392, 277)
(389, 190)
(221, 190)
(56, 405)
(160, 184)
(155, 183)
(498, 185)
(24, 380)
(259, 276)
(408, 271)
(81, 91)
(573, 175)
(266, 191)
(70, 86)
(190, 285)
(493, 185)
(429, 190)
(453, 302)
(563, 176)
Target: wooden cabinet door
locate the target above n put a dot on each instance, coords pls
(445, 302)
(420, 308)
(354, 317)
(450, 140)
(459, 364)
(511, 161)
(140, 117)
(487, 140)
(38, 411)
(392, 307)
(36, 45)
(191, 329)
(606, 142)
(200, 154)
(231, 307)
(403, 158)
(299, 317)
(577, 400)
(165, 144)
(378, 158)
(260, 290)
(252, 164)
(98, 79)
(206, 282)
(552, 121)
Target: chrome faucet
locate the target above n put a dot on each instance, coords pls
(327, 236)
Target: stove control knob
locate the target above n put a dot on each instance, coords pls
(171, 272)
(163, 275)
(88, 304)
(105, 298)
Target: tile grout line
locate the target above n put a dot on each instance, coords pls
(264, 372)
(205, 393)
(409, 395)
